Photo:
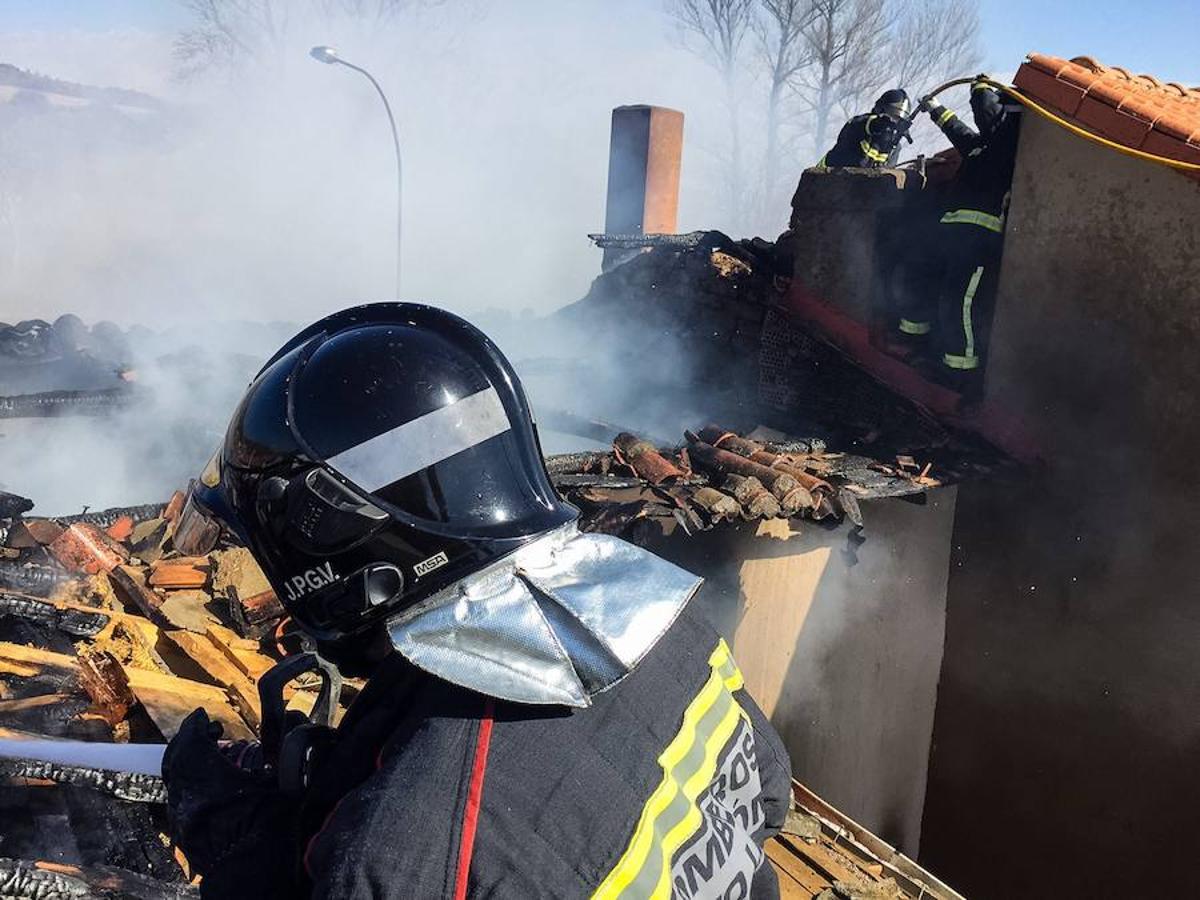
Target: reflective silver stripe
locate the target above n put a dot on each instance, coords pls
(426, 440)
(974, 217)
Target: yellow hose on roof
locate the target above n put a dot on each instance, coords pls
(1071, 126)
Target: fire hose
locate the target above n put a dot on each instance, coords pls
(1030, 103)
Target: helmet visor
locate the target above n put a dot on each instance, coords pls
(461, 466)
(197, 531)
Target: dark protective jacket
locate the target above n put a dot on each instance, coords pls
(866, 142)
(988, 155)
(672, 777)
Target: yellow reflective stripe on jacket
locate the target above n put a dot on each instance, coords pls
(670, 817)
(870, 152)
(907, 326)
(974, 217)
(946, 116)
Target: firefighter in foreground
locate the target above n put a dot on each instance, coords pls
(544, 715)
(871, 140)
(951, 284)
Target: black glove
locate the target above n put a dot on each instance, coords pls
(215, 809)
(925, 104)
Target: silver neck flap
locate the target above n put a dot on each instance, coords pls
(562, 619)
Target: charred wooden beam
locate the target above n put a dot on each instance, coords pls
(133, 593)
(45, 880)
(107, 684)
(31, 578)
(74, 622)
(125, 785)
(64, 403)
(106, 518)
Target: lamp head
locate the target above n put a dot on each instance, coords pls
(327, 55)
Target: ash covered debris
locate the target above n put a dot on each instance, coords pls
(696, 327)
(638, 490)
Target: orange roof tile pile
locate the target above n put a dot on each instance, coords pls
(1138, 111)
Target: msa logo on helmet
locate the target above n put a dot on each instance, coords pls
(313, 579)
(429, 565)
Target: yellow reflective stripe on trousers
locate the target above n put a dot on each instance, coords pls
(974, 217)
(968, 360)
(689, 763)
(907, 326)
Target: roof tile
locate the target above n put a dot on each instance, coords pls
(1139, 111)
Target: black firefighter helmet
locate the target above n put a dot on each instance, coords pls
(382, 454)
(893, 103)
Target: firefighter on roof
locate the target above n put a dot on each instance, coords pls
(871, 140)
(544, 716)
(950, 300)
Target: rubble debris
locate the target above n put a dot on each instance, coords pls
(31, 578)
(756, 501)
(129, 585)
(82, 547)
(148, 539)
(63, 403)
(106, 684)
(106, 518)
(12, 505)
(125, 785)
(44, 880)
(645, 460)
(75, 622)
(176, 574)
(792, 496)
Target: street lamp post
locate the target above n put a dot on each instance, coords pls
(330, 56)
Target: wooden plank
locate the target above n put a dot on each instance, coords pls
(218, 666)
(132, 591)
(167, 709)
(7, 707)
(248, 660)
(167, 699)
(830, 864)
(795, 878)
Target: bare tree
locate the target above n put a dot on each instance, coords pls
(780, 28)
(719, 28)
(846, 40)
(934, 41)
(225, 31)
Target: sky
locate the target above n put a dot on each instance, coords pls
(1154, 36)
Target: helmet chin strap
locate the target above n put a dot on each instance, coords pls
(557, 622)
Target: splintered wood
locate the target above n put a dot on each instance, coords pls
(134, 635)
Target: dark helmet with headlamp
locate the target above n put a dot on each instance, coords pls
(382, 454)
(893, 103)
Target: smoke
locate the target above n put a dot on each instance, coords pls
(265, 192)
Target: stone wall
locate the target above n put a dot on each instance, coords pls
(1067, 725)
